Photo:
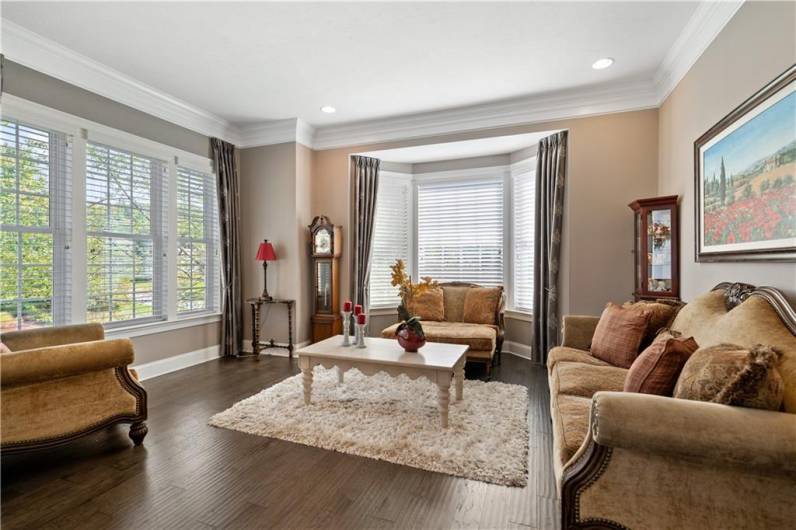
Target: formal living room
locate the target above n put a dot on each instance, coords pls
(358, 265)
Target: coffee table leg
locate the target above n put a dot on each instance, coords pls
(443, 387)
(339, 375)
(306, 378)
(458, 377)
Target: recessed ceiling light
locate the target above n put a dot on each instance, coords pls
(601, 64)
(328, 109)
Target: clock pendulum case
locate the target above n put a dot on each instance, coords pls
(326, 243)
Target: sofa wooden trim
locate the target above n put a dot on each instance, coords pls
(736, 293)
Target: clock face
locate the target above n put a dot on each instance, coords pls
(323, 242)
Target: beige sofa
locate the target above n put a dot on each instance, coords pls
(485, 340)
(64, 382)
(626, 460)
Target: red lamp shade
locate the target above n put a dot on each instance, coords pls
(266, 252)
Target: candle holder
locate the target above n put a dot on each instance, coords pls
(346, 327)
(361, 336)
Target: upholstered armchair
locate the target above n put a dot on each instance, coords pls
(64, 382)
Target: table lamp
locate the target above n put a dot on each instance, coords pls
(265, 254)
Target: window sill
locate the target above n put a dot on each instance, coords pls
(383, 311)
(516, 314)
(151, 328)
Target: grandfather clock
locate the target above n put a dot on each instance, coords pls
(326, 243)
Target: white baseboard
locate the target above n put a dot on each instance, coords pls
(280, 352)
(176, 362)
(520, 350)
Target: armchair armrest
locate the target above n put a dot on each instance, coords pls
(578, 331)
(696, 430)
(53, 362)
(53, 336)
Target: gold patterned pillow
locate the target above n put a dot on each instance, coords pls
(733, 375)
(481, 305)
(428, 305)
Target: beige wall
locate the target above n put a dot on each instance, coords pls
(275, 192)
(758, 44)
(45, 90)
(613, 160)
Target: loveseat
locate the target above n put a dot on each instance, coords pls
(640, 461)
(484, 336)
(63, 382)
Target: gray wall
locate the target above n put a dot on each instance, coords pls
(756, 45)
(45, 90)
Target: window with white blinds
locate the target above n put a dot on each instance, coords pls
(34, 213)
(460, 231)
(391, 238)
(125, 229)
(522, 207)
(197, 242)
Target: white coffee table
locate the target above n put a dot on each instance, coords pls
(438, 362)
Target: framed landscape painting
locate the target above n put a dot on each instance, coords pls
(745, 179)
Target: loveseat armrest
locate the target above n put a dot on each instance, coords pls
(29, 339)
(578, 331)
(42, 364)
(696, 430)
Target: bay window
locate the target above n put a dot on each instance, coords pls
(391, 237)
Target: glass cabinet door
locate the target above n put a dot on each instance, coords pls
(659, 251)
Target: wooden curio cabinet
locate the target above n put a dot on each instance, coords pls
(657, 248)
(326, 243)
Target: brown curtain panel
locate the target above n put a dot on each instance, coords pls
(364, 186)
(229, 225)
(551, 170)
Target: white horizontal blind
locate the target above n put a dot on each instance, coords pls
(460, 231)
(125, 228)
(391, 229)
(522, 207)
(35, 196)
(197, 242)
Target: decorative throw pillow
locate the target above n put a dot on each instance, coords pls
(656, 369)
(733, 375)
(427, 306)
(618, 335)
(4, 348)
(662, 313)
(481, 305)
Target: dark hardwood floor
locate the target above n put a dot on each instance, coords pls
(190, 475)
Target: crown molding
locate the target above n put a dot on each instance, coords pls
(705, 24)
(39, 53)
(43, 55)
(520, 111)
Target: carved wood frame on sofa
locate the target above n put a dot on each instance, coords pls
(593, 459)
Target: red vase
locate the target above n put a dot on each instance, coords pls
(409, 340)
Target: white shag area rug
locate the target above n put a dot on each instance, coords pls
(397, 420)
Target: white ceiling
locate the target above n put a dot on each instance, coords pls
(496, 145)
(251, 62)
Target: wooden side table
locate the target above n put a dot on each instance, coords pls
(256, 305)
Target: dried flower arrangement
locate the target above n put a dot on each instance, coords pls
(408, 290)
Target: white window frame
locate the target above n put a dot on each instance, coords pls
(82, 130)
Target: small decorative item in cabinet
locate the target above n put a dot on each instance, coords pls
(657, 248)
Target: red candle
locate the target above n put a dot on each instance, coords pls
(361, 318)
(357, 309)
(347, 306)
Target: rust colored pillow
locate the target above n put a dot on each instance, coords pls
(662, 313)
(481, 304)
(428, 306)
(656, 369)
(733, 375)
(618, 335)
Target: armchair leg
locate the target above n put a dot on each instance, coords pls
(137, 432)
